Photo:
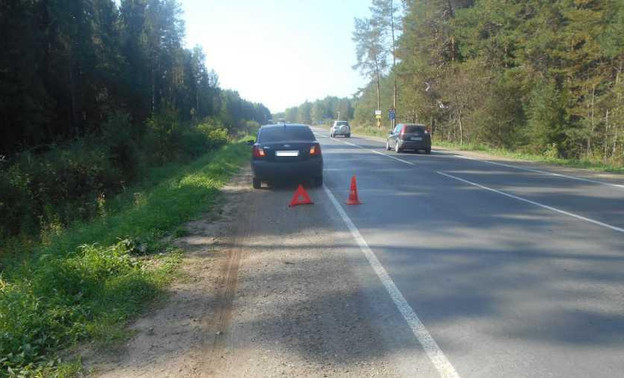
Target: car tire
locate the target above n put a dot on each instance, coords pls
(256, 183)
(348, 135)
(397, 149)
(388, 146)
(428, 151)
(318, 181)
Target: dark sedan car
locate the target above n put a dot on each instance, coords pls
(286, 152)
(406, 136)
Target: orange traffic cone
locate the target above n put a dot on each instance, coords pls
(300, 197)
(353, 195)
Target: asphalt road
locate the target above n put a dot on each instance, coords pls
(453, 266)
(507, 269)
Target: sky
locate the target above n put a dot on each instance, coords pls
(278, 52)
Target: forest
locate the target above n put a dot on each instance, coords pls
(542, 77)
(91, 93)
(324, 110)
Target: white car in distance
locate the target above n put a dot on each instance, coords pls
(340, 128)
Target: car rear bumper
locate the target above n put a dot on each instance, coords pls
(269, 171)
(342, 131)
(415, 144)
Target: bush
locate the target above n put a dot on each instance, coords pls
(164, 137)
(215, 134)
(170, 140)
(51, 309)
(56, 187)
(120, 137)
(45, 192)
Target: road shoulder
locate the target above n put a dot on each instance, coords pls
(267, 291)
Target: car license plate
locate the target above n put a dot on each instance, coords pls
(290, 153)
(416, 138)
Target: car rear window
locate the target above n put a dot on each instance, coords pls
(342, 123)
(278, 134)
(414, 129)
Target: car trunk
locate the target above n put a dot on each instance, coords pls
(342, 129)
(287, 151)
(414, 133)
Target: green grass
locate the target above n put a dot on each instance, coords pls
(86, 281)
(518, 155)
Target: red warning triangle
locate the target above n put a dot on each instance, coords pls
(300, 197)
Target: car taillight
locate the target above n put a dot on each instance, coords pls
(258, 152)
(402, 132)
(427, 131)
(315, 150)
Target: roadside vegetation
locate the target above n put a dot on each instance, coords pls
(534, 79)
(84, 282)
(113, 136)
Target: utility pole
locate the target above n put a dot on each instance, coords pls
(394, 98)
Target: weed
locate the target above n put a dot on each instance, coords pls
(87, 280)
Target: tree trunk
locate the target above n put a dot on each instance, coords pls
(591, 117)
(74, 103)
(378, 91)
(606, 135)
(394, 97)
(461, 128)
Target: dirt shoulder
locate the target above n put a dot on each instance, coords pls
(171, 340)
(270, 291)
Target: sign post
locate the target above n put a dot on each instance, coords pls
(378, 116)
(392, 116)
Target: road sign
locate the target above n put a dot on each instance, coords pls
(377, 112)
(391, 114)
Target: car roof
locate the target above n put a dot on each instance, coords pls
(284, 125)
(412, 124)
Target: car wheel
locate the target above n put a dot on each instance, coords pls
(318, 181)
(388, 146)
(397, 149)
(348, 135)
(428, 151)
(257, 183)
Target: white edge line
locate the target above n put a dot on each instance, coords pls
(539, 171)
(392, 157)
(614, 228)
(435, 354)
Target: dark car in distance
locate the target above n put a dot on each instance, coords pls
(409, 136)
(286, 152)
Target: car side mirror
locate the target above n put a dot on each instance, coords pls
(251, 142)
(389, 132)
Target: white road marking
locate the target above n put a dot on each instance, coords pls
(377, 152)
(435, 354)
(614, 228)
(392, 157)
(540, 171)
(351, 144)
(620, 186)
